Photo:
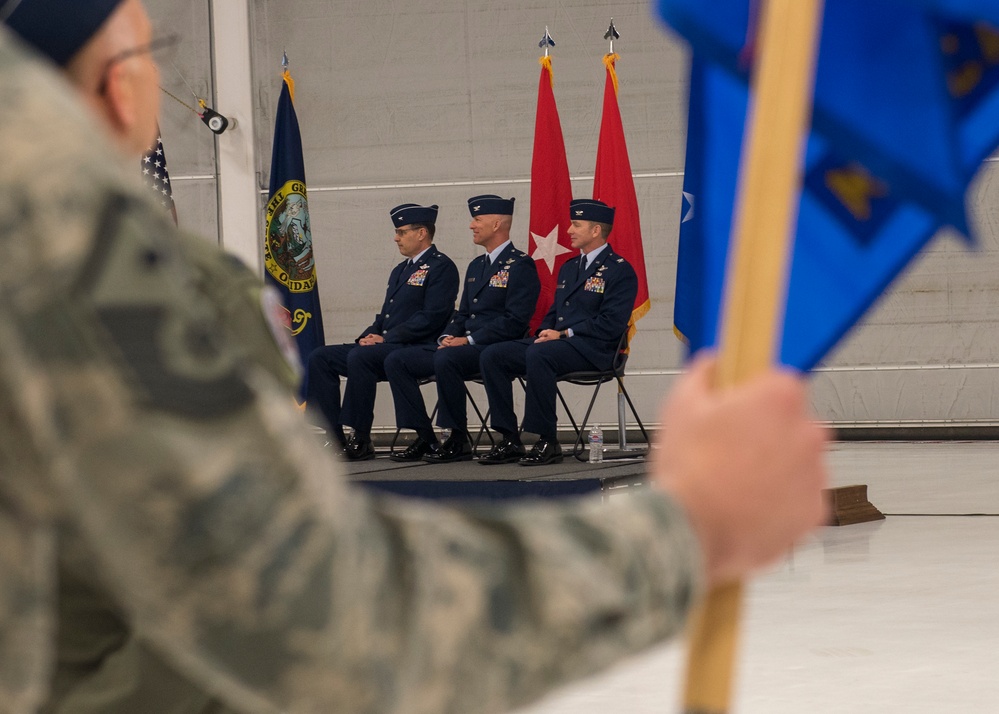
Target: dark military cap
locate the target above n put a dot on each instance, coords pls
(58, 39)
(590, 209)
(490, 204)
(412, 213)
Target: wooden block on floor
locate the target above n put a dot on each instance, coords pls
(849, 505)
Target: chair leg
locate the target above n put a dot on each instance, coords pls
(568, 413)
(634, 413)
(483, 427)
(577, 448)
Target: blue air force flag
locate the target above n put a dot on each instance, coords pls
(854, 233)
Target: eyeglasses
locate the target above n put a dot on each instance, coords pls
(158, 46)
(400, 232)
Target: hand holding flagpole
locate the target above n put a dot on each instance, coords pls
(770, 177)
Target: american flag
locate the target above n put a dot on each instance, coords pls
(156, 176)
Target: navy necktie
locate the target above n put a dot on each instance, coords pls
(404, 273)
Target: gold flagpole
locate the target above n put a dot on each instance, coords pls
(765, 215)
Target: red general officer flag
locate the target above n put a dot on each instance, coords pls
(551, 192)
(614, 185)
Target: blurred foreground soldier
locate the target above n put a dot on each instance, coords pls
(104, 48)
(594, 297)
(419, 300)
(171, 538)
(500, 294)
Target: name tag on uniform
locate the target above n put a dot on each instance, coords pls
(500, 280)
(418, 278)
(595, 285)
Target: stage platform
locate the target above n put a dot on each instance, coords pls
(469, 479)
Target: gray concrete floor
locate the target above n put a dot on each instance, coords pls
(900, 615)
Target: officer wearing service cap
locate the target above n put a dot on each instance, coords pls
(499, 297)
(105, 49)
(419, 300)
(594, 297)
(57, 29)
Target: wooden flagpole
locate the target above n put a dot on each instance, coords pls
(765, 216)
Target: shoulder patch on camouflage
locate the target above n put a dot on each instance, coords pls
(166, 336)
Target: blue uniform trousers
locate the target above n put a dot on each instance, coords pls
(364, 368)
(451, 365)
(541, 363)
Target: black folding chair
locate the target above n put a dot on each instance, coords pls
(483, 428)
(596, 378)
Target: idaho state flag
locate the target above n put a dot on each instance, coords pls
(549, 244)
(288, 258)
(614, 185)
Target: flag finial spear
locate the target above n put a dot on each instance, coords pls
(611, 34)
(546, 41)
(284, 60)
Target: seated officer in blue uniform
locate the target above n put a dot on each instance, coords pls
(594, 297)
(419, 301)
(500, 295)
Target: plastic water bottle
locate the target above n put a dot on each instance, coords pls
(596, 445)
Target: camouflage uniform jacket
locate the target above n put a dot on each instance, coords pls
(145, 463)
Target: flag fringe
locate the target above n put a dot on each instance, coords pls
(546, 62)
(637, 314)
(609, 60)
(291, 84)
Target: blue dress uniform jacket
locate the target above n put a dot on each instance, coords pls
(419, 300)
(596, 303)
(497, 305)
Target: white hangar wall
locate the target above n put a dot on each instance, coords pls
(433, 102)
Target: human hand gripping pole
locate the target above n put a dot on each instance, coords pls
(756, 283)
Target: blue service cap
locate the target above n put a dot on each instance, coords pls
(590, 209)
(490, 204)
(58, 28)
(412, 213)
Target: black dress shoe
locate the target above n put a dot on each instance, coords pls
(359, 449)
(546, 451)
(457, 447)
(505, 452)
(416, 451)
(335, 440)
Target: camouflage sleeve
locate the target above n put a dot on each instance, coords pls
(232, 542)
(242, 555)
(245, 307)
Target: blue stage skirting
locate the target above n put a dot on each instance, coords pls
(485, 489)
